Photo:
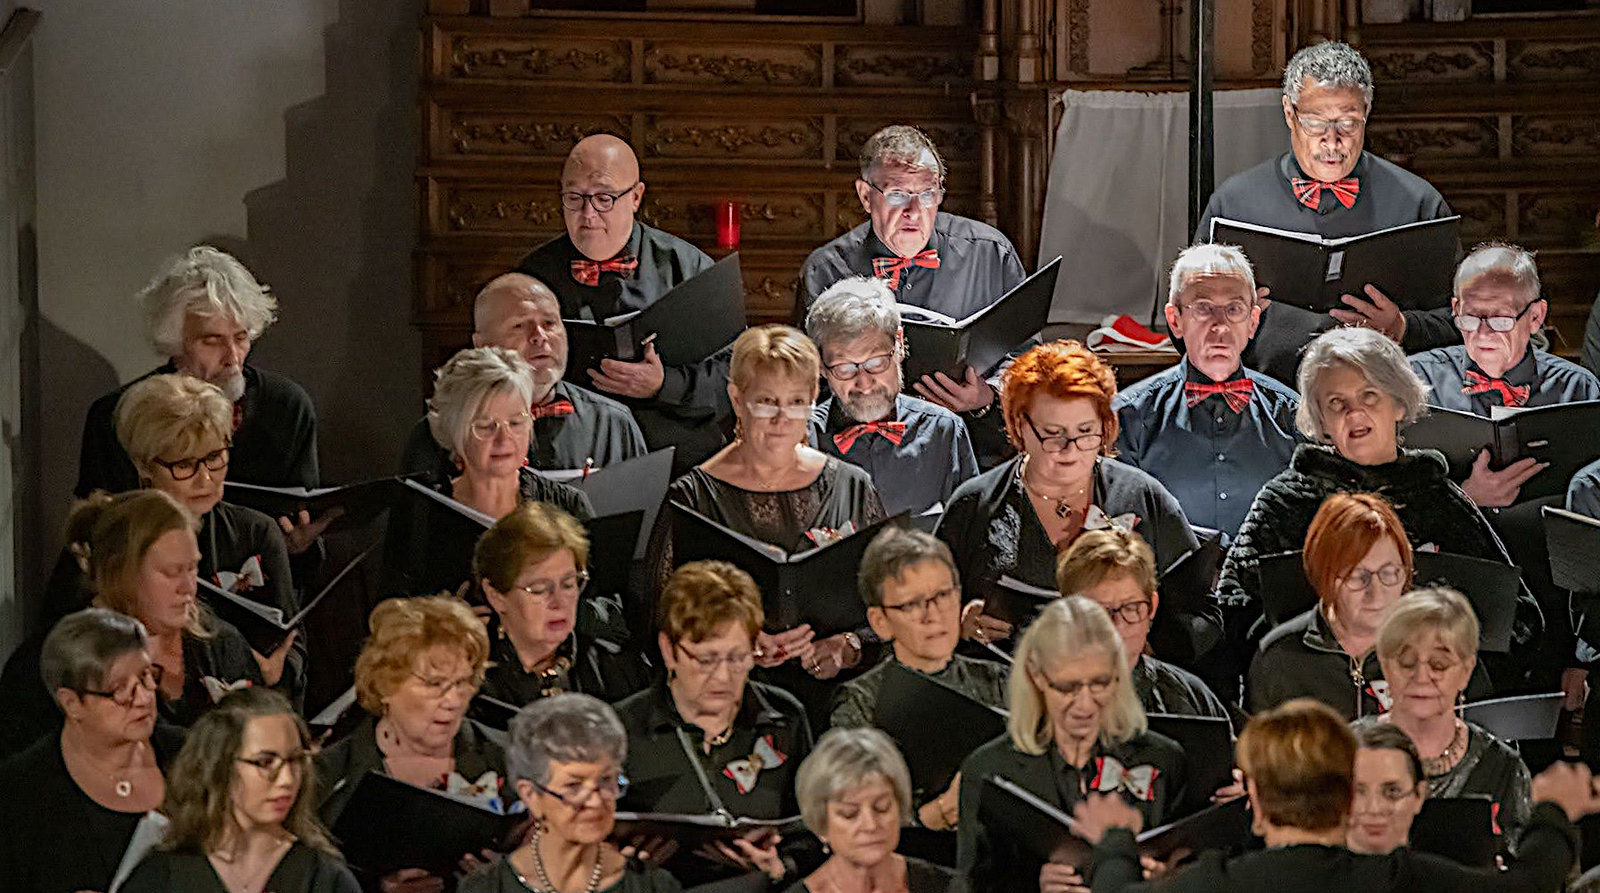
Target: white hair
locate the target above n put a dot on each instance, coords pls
(1330, 64)
(465, 382)
(850, 308)
(203, 282)
(1371, 353)
(1503, 259)
(1210, 258)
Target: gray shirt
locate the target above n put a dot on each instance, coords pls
(1548, 378)
(933, 457)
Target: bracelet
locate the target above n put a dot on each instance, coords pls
(853, 641)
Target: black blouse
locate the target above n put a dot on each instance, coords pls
(301, 870)
(921, 877)
(502, 878)
(341, 766)
(597, 659)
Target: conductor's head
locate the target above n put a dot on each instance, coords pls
(1299, 763)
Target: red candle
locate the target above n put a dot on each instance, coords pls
(728, 225)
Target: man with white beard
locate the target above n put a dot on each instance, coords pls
(916, 451)
(204, 311)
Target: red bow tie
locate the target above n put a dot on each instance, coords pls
(238, 415)
(587, 272)
(553, 408)
(1510, 394)
(894, 431)
(1235, 393)
(1309, 192)
(890, 267)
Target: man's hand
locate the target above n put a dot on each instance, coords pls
(1498, 489)
(1099, 813)
(1057, 878)
(272, 665)
(1569, 786)
(1575, 684)
(971, 393)
(981, 627)
(1378, 313)
(302, 532)
(640, 379)
(830, 656)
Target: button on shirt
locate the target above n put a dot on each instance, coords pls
(933, 457)
(1549, 379)
(1209, 457)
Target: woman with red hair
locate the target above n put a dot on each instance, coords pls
(1014, 519)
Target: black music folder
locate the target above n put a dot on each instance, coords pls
(1016, 602)
(1180, 631)
(937, 343)
(1050, 834)
(1518, 718)
(1574, 542)
(389, 824)
(1458, 828)
(910, 704)
(817, 586)
(264, 626)
(1491, 587)
(691, 831)
(637, 484)
(1414, 264)
(1560, 434)
(1207, 743)
(356, 503)
(697, 318)
(611, 539)
(492, 712)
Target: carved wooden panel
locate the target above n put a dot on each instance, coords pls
(1405, 140)
(503, 134)
(1483, 214)
(478, 57)
(878, 66)
(1413, 62)
(733, 65)
(958, 141)
(768, 139)
(1553, 61)
(1556, 217)
(1550, 136)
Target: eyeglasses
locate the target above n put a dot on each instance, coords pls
(488, 429)
(796, 412)
(1314, 126)
(1056, 443)
(1096, 685)
(1131, 612)
(708, 664)
(1469, 323)
(549, 590)
(576, 794)
(1360, 578)
(184, 469)
(899, 198)
(602, 201)
(1233, 311)
(123, 695)
(925, 606)
(436, 687)
(1390, 795)
(271, 763)
(1410, 665)
(870, 365)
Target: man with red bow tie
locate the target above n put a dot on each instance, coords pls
(1212, 431)
(608, 263)
(917, 452)
(952, 265)
(1329, 185)
(572, 426)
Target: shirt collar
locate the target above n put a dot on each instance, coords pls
(1193, 374)
(838, 420)
(1319, 634)
(875, 247)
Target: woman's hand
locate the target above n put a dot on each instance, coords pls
(1099, 813)
(652, 851)
(942, 812)
(272, 664)
(1498, 489)
(1231, 791)
(831, 655)
(411, 880)
(980, 627)
(758, 850)
(1057, 878)
(773, 649)
(1154, 869)
(1569, 786)
(471, 862)
(301, 533)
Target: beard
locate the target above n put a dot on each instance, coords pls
(870, 406)
(232, 385)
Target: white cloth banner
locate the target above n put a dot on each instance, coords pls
(1116, 207)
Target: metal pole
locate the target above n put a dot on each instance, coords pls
(1202, 145)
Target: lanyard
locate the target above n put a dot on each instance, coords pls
(717, 807)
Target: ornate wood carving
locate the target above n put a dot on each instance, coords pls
(774, 138)
(1463, 61)
(533, 59)
(1262, 16)
(1078, 36)
(957, 140)
(1552, 136)
(733, 65)
(874, 66)
(1557, 217)
(1404, 140)
(519, 134)
(1483, 215)
(1543, 61)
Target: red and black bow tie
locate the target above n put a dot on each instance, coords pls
(1309, 192)
(553, 408)
(895, 432)
(890, 267)
(1510, 394)
(1235, 393)
(587, 272)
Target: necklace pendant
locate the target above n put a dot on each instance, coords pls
(1062, 509)
(124, 788)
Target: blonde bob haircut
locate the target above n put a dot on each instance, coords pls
(203, 282)
(110, 536)
(465, 383)
(1100, 555)
(404, 629)
(774, 350)
(1429, 610)
(1069, 628)
(846, 759)
(531, 533)
(172, 417)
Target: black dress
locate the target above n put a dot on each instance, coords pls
(597, 659)
(992, 862)
(502, 878)
(301, 870)
(341, 766)
(211, 667)
(921, 877)
(58, 839)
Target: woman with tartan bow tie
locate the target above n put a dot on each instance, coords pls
(1075, 728)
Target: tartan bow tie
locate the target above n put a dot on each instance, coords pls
(890, 267)
(1510, 394)
(1235, 393)
(587, 272)
(1309, 192)
(238, 415)
(895, 432)
(553, 408)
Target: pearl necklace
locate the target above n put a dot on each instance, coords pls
(1063, 510)
(544, 877)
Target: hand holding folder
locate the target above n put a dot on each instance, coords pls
(352, 505)
(984, 339)
(389, 825)
(1552, 434)
(694, 320)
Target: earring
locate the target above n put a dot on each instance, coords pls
(825, 848)
(524, 461)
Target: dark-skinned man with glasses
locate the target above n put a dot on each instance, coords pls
(916, 451)
(952, 265)
(1327, 184)
(608, 263)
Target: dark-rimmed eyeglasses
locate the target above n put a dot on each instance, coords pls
(1360, 578)
(610, 788)
(1096, 685)
(1131, 613)
(923, 607)
(184, 469)
(270, 763)
(601, 201)
(1056, 443)
(899, 198)
(549, 590)
(149, 679)
(1469, 323)
(870, 365)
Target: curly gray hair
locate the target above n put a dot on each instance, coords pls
(203, 282)
(850, 308)
(564, 728)
(1329, 64)
(1378, 359)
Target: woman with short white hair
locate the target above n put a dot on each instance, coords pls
(1075, 728)
(479, 414)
